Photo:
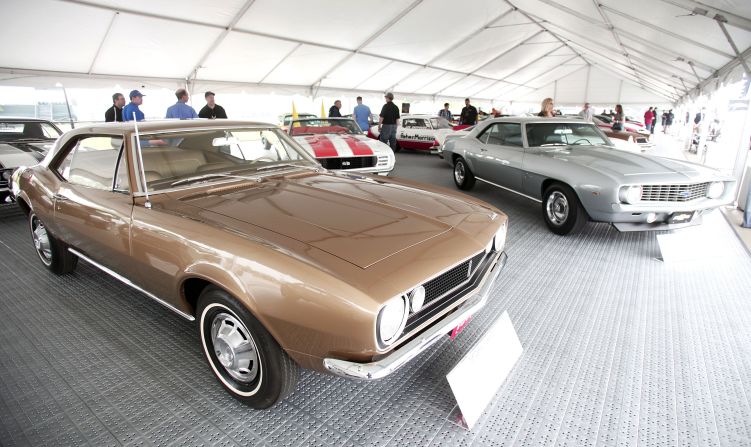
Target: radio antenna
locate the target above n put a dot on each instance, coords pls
(147, 204)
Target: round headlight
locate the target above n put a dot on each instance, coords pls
(391, 320)
(715, 190)
(6, 175)
(417, 298)
(631, 194)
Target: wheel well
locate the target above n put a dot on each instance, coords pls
(23, 205)
(454, 157)
(192, 288)
(549, 181)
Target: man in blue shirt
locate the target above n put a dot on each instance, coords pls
(136, 99)
(362, 115)
(180, 109)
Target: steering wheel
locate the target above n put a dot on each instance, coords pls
(264, 159)
(582, 139)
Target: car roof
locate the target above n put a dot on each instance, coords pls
(17, 119)
(166, 125)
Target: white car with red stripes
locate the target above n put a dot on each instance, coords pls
(338, 143)
(420, 132)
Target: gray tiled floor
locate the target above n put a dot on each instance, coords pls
(620, 349)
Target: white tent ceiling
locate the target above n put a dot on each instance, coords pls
(519, 50)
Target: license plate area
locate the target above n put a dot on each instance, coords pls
(681, 217)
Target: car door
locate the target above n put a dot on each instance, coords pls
(501, 154)
(92, 203)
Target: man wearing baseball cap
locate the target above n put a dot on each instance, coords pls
(136, 99)
(211, 110)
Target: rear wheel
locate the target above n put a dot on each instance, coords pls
(244, 357)
(463, 176)
(561, 209)
(53, 253)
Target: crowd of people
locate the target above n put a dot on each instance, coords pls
(119, 111)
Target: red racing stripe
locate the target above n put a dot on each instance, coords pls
(322, 146)
(358, 147)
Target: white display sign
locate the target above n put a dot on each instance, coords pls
(476, 378)
(693, 244)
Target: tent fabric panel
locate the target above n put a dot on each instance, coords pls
(315, 60)
(244, 58)
(216, 13)
(388, 76)
(535, 72)
(420, 35)
(531, 95)
(353, 71)
(418, 79)
(440, 83)
(565, 21)
(37, 35)
(494, 91)
(571, 84)
(139, 45)
(329, 22)
(517, 58)
(468, 84)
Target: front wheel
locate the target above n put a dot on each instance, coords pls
(561, 209)
(244, 357)
(53, 253)
(463, 176)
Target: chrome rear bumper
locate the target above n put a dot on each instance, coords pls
(398, 358)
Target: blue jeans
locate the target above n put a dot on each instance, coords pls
(388, 135)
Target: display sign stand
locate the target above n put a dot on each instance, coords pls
(477, 377)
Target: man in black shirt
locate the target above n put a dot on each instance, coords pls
(211, 110)
(115, 113)
(334, 110)
(387, 124)
(469, 114)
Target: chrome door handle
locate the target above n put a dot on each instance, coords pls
(482, 149)
(59, 197)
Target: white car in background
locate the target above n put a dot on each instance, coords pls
(420, 132)
(338, 143)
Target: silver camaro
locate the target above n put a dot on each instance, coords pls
(575, 172)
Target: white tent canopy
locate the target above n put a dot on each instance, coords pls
(602, 51)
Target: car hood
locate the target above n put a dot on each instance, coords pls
(358, 219)
(340, 145)
(628, 166)
(16, 154)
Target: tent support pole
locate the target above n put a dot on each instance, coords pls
(586, 83)
(721, 21)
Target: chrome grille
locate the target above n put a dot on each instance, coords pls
(437, 290)
(674, 193)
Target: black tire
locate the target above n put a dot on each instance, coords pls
(52, 252)
(397, 148)
(266, 375)
(463, 176)
(561, 209)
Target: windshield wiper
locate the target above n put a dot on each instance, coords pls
(292, 165)
(210, 176)
(553, 144)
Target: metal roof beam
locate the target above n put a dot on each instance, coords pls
(666, 32)
(721, 21)
(615, 72)
(702, 9)
(101, 43)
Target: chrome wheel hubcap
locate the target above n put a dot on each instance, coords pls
(459, 173)
(41, 240)
(234, 347)
(557, 208)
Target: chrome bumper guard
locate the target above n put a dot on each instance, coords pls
(398, 358)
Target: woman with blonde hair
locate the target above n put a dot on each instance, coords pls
(618, 118)
(546, 109)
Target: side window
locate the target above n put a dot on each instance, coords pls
(510, 134)
(92, 162)
(489, 135)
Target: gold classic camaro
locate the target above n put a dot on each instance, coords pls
(281, 263)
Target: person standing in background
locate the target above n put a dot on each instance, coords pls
(669, 117)
(469, 114)
(180, 109)
(387, 123)
(587, 113)
(648, 117)
(654, 120)
(445, 112)
(361, 113)
(212, 110)
(136, 99)
(115, 113)
(618, 118)
(546, 108)
(334, 111)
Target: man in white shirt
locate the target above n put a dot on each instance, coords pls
(586, 112)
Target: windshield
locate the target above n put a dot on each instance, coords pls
(564, 134)
(440, 123)
(27, 130)
(324, 126)
(184, 157)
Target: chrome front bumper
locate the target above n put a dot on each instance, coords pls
(398, 358)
